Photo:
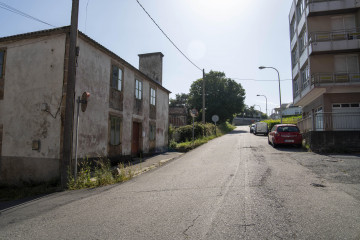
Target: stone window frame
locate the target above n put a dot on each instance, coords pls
(138, 89)
(152, 97)
(112, 140)
(112, 85)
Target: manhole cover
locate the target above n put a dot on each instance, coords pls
(317, 185)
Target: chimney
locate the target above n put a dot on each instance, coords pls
(151, 65)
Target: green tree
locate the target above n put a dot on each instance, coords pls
(223, 96)
(181, 100)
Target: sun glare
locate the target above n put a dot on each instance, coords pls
(218, 9)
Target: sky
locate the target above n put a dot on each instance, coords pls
(231, 36)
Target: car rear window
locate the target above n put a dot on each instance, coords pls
(288, 129)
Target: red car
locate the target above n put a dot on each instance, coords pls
(285, 134)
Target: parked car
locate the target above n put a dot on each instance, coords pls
(261, 128)
(252, 126)
(285, 134)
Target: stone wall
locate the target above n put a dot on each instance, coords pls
(333, 141)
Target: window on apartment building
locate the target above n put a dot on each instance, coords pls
(305, 76)
(300, 8)
(152, 131)
(303, 40)
(115, 124)
(292, 28)
(294, 56)
(346, 64)
(296, 87)
(138, 89)
(116, 78)
(343, 22)
(2, 61)
(152, 96)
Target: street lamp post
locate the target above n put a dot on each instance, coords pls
(266, 102)
(262, 67)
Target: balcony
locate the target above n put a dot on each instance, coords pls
(332, 121)
(326, 79)
(323, 7)
(340, 40)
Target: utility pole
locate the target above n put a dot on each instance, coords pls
(70, 96)
(203, 98)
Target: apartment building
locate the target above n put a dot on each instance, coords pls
(325, 52)
(127, 112)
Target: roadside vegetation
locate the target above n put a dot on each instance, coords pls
(286, 120)
(98, 173)
(181, 138)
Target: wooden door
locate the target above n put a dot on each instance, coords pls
(135, 144)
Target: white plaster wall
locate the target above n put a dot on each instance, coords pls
(162, 117)
(33, 75)
(93, 76)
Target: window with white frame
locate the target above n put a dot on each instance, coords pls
(305, 76)
(300, 8)
(296, 87)
(138, 89)
(346, 63)
(292, 28)
(302, 40)
(115, 124)
(152, 96)
(294, 56)
(116, 78)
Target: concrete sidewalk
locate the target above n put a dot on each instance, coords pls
(138, 166)
(141, 165)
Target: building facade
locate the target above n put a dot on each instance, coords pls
(127, 112)
(325, 51)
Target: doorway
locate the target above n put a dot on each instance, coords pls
(135, 143)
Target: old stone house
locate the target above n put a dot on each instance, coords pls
(127, 112)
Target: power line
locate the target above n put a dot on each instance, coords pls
(260, 80)
(16, 11)
(167, 36)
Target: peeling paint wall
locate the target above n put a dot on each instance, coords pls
(33, 83)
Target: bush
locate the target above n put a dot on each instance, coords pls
(287, 120)
(184, 134)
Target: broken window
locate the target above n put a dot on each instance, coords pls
(138, 89)
(116, 78)
(115, 124)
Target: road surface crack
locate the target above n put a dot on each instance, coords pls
(187, 229)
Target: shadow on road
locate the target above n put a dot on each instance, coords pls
(237, 132)
(290, 148)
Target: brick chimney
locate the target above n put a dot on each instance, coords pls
(151, 65)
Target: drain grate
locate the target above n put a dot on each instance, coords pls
(317, 185)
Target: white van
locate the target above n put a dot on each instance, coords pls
(261, 128)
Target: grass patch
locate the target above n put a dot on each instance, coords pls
(100, 175)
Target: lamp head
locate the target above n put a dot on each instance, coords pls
(262, 67)
(258, 95)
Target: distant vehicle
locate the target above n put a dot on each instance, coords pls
(261, 128)
(252, 126)
(285, 134)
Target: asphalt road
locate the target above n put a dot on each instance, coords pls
(234, 187)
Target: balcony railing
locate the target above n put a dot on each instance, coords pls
(334, 78)
(316, 1)
(345, 34)
(330, 121)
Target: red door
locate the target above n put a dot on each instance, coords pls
(135, 145)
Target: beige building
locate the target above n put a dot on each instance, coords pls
(127, 112)
(325, 50)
